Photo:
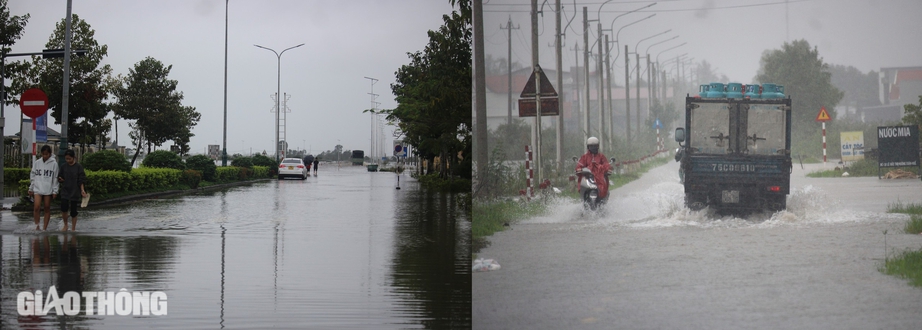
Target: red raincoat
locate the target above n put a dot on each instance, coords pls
(599, 165)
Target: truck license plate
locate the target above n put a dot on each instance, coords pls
(731, 196)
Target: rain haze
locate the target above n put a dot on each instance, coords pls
(344, 41)
(730, 35)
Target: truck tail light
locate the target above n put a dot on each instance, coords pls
(774, 188)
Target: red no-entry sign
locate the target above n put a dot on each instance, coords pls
(33, 102)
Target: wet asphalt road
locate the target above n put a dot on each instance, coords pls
(648, 263)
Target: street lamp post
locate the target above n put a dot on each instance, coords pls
(278, 93)
(651, 70)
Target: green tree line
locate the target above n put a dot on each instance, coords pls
(146, 96)
(433, 94)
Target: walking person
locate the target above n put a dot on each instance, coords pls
(72, 178)
(43, 186)
(316, 163)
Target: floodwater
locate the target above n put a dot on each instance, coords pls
(341, 250)
(647, 262)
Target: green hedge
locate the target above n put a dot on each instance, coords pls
(140, 179)
(260, 172)
(108, 181)
(226, 174)
(14, 174)
(151, 178)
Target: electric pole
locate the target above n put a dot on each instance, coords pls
(536, 68)
(601, 91)
(586, 63)
(627, 94)
(509, 68)
(559, 54)
(480, 126)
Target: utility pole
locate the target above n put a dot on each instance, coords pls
(611, 123)
(559, 54)
(602, 143)
(224, 150)
(579, 102)
(586, 63)
(65, 91)
(509, 67)
(649, 86)
(480, 126)
(536, 68)
(627, 94)
(637, 67)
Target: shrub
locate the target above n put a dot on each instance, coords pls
(244, 173)
(163, 159)
(226, 174)
(260, 172)
(13, 174)
(260, 160)
(152, 178)
(108, 181)
(203, 164)
(242, 162)
(104, 160)
(191, 178)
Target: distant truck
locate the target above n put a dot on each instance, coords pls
(358, 157)
(735, 148)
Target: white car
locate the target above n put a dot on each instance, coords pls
(293, 167)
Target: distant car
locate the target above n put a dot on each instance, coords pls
(293, 167)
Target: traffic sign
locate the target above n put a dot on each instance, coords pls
(547, 90)
(33, 102)
(549, 107)
(657, 124)
(823, 116)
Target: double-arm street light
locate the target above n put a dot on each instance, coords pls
(651, 72)
(278, 109)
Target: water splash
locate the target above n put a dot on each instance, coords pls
(662, 205)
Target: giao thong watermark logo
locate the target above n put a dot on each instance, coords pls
(92, 303)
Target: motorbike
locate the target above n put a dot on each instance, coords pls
(589, 189)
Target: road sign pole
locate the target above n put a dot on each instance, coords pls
(824, 144)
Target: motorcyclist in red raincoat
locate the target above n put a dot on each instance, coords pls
(597, 164)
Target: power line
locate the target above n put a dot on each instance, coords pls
(655, 10)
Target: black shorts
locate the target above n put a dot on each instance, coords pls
(69, 205)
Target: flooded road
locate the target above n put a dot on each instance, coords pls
(649, 263)
(342, 250)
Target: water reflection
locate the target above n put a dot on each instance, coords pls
(362, 255)
(431, 259)
(79, 263)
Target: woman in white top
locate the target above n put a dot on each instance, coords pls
(44, 185)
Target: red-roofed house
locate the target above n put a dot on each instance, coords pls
(899, 86)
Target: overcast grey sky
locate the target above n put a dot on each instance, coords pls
(729, 34)
(344, 42)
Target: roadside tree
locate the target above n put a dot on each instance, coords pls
(149, 98)
(433, 96)
(11, 29)
(89, 83)
(806, 78)
(913, 115)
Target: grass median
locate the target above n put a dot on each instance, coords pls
(907, 264)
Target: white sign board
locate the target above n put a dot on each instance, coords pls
(852, 146)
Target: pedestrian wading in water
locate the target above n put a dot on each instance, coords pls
(44, 185)
(72, 179)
